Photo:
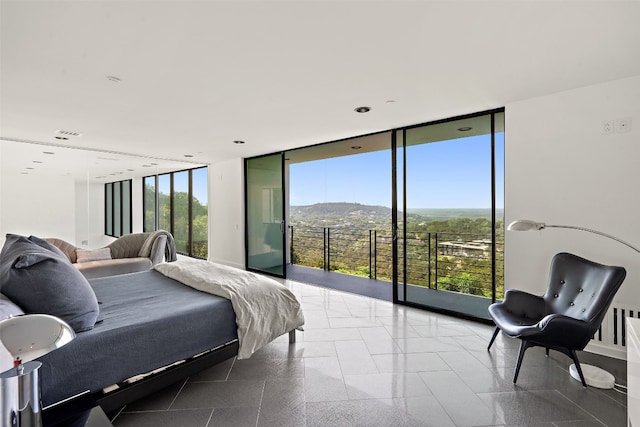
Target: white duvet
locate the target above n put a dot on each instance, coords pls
(264, 308)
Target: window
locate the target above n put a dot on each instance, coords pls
(178, 202)
(117, 203)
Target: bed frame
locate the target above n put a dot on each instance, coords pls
(58, 414)
(63, 413)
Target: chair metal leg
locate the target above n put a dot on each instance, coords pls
(493, 338)
(524, 345)
(574, 356)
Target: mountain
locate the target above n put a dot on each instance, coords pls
(340, 209)
(344, 209)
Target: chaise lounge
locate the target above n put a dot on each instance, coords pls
(127, 254)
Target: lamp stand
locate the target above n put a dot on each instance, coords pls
(593, 376)
(20, 404)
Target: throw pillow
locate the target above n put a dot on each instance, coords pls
(87, 255)
(43, 281)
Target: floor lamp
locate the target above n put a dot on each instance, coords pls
(26, 338)
(593, 375)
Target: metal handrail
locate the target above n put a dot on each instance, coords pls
(331, 248)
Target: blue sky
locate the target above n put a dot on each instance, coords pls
(449, 174)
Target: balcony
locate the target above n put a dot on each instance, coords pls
(445, 267)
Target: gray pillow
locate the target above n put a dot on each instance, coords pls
(40, 280)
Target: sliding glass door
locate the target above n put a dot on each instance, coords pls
(264, 213)
(449, 179)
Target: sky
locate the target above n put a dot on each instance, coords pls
(448, 174)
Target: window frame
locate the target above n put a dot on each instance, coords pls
(114, 213)
(171, 200)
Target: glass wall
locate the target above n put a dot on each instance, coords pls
(265, 214)
(450, 206)
(181, 204)
(199, 213)
(117, 198)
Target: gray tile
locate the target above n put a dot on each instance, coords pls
(387, 385)
(322, 367)
(346, 334)
(364, 413)
(463, 406)
(425, 345)
(178, 418)
(219, 394)
(410, 362)
(157, 401)
(237, 417)
(519, 407)
(260, 369)
(218, 372)
(601, 404)
(320, 388)
(426, 410)
(283, 403)
(358, 365)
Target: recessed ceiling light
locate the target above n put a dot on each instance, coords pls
(362, 109)
(237, 141)
(131, 170)
(63, 138)
(24, 173)
(153, 164)
(37, 161)
(188, 155)
(48, 152)
(390, 101)
(465, 128)
(114, 79)
(146, 166)
(356, 147)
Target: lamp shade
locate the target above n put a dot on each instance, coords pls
(30, 336)
(525, 225)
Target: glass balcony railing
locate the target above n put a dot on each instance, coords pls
(456, 262)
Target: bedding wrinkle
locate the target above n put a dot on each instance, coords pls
(265, 309)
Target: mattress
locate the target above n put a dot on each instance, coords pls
(146, 321)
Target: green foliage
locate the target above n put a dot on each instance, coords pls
(180, 229)
(465, 270)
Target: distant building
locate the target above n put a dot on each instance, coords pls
(476, 248)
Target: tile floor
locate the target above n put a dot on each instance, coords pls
(365, 362)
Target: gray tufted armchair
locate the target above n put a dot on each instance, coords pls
(567, 316)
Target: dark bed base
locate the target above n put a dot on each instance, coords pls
(68, 412)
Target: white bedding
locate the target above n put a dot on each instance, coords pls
(264, 308)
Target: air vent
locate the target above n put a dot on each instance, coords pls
(68, 133)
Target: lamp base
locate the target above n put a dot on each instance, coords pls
(593, 376)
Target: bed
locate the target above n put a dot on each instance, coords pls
(148, 330)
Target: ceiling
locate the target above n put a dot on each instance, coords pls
(196, 75)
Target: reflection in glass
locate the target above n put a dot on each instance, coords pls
(117, 198)
(265, 214)
(164, 202)
(108, 210)
(200, 214)
(149, 203)
(126, 207)
(181, 211)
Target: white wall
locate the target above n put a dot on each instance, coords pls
(561, 169)
(226, 212)
(33, 206)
